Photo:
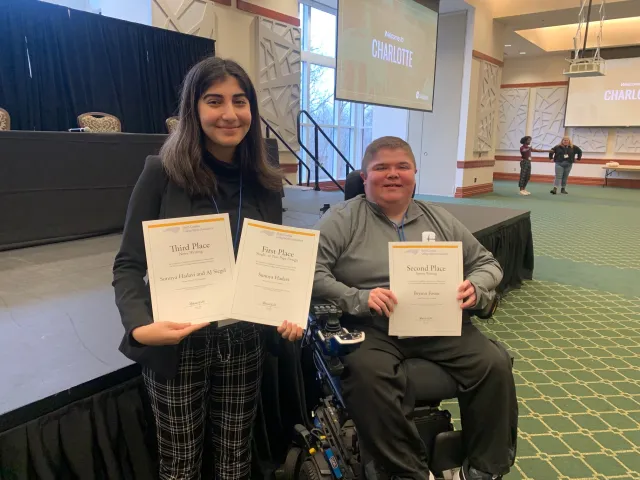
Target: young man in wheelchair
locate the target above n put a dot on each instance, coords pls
(352, 272)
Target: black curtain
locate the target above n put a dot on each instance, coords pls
(14, 67)
(108, 433)
(169, 56)
(82, 62)
(512, 246)
(106, 436)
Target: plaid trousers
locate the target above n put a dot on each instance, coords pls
(218, 380)
(525, 173)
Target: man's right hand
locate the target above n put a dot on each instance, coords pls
(382, 301)
(164, 333)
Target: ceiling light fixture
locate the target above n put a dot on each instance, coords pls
(523, 53)
(507, 45)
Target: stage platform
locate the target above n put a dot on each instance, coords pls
(87, 192)
(61, 328)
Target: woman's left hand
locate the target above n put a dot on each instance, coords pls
(290, 331)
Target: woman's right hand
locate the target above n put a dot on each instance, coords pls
(164, 333)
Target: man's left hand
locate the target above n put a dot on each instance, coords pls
(467, 293)
(290, 331)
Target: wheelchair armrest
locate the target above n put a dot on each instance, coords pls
(487, 312)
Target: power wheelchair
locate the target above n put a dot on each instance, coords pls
(330, 448)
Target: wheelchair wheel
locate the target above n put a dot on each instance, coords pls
(309, 471)
(291, 467)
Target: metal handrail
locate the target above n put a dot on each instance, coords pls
(318, 129)
(315, 124)
(284, 142)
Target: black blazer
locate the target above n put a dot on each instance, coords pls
(156, 197)
(559, 151)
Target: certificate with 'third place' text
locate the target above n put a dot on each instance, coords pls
(190, 265)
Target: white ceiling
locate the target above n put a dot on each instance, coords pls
(519, 44)
(621, 9)
(515, 8)
(536, 14)
(550, 25)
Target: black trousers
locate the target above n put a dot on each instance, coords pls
(218, 381)
(525, 173)
(375, 392)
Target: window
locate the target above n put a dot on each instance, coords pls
(346, 124)
(322, 33)
(321, 102)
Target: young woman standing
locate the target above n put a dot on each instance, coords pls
(214, 162)
(525, 163)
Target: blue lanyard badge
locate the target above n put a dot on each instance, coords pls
(237, 239)
(400, 229)
(401, 232)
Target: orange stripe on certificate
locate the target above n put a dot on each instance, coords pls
(282, 230)
(188, 222)
(425, 246)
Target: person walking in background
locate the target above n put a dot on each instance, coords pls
(525, 163)
(564, 155)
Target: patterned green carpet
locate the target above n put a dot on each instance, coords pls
(575, 333)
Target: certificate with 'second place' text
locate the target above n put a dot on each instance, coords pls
(273, 277)
(190, 264)
(425, 278)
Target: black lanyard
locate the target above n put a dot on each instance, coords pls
(237, 239)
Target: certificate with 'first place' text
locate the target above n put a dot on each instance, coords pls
(425, 278)
(190, 264)
(274, 274)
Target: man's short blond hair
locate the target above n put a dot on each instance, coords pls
(391, 143)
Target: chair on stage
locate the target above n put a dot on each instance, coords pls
(172, 123)
(5, 120)
(99, 122)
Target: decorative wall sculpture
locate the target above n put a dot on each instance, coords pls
(195, 17)
(278, 81)
(487, 106)
(627, 140)
(512, 117)
(548, 118)
(590, 139)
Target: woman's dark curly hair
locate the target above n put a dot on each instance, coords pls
(523, 140)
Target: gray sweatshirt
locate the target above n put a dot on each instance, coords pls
(353, 254)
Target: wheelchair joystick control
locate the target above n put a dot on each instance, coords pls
(332, 324)
(334, 338)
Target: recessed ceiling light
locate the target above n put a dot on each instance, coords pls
(523, 53)
(507, 45)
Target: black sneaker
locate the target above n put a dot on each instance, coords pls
(467, 472)
(554, 191)
(564, 191)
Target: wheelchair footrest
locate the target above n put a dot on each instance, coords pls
(447, 453)
(430, 422)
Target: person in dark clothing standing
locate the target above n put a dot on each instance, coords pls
(525, 163)
(214, 162)
(564, 155)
